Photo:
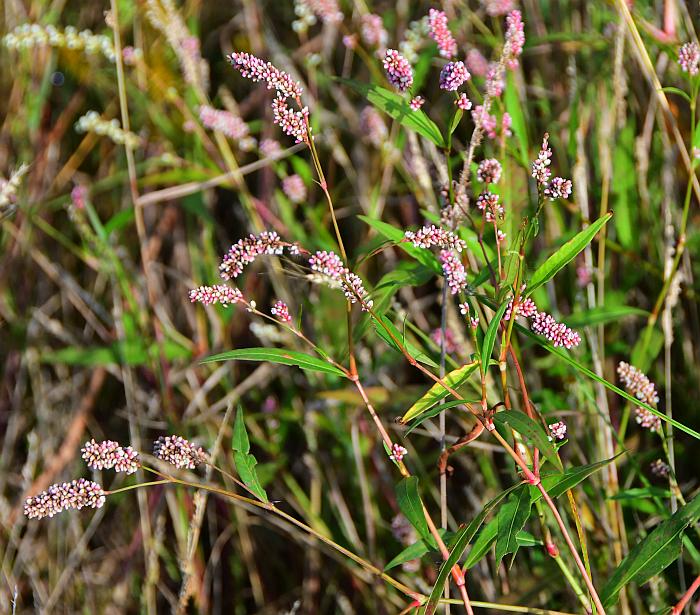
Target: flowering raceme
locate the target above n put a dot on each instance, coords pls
(453, 270)
(637, 383)
(109, 455)
(430, 236)
(245, 251)
(77, 494)
(453, 75)
(398, 70)
(179, 452)
(440, 33)
(255, 69)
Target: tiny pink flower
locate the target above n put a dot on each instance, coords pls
(108, 454)
(78, 196)
(270, 148)
(515, 39)
(495, 8)
(558, 333)
(417, 102)
(398, 452)
(540, 167)
(398, 70)
(350, 41)
(293, 123)
(525, 308)
(373, 32)
(223, 121)
(500, 236)
(558, 188)
(558, 430)
(451, 346)
(476, 62)
(255, 69)
(77, 494)
(659, 468)
(463, 102)
(178, 452)
(440, 33)
(246, 250)
(281, 310)
(327, 10)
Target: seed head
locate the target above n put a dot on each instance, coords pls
(77, 494)
(179, 452)
(108, 455)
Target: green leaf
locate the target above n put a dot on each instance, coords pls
(561, 482)
(411, 506)
(462, 539)
(515, 109)
(678, 91)
(565, 254)
(454, 122)
(637, 493)
(277, 355)
(511, 519)
(240, 441)
(653, 554)
(245, 466)
(435, 410)
(602, 315)
(531, 431)
(397, 107)
(490, 337)
(412, 349)
(454, 379)
(416, 550)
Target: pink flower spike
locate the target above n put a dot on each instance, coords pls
(489, 171)
(109, 455)
(210, 295)
(440, 33)
(178, 452)
(398, 70)
(77, 494)
(255, 69)
(515, 39)
(430, 236)
(558, 333)
(540, 168)
(453, 270)
(223, 121)
(373, 32)
(689, 58)
(245, 251)
(453, 75)
(294, 188)
(416, 103)
(293, 123)
(558, 188)
(476, 63)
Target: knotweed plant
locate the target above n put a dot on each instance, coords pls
(482, 194)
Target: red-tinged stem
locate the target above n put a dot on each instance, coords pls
(678, 609)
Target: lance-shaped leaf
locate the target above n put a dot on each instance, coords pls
(490, 337)
(653, 554)
(277, 355)
(454, 380)
(411, 506)
(561, 482)
(245, 466)
(240, 441)
(511, 518)
(564, 255)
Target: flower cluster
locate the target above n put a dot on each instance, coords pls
(414, 37)
(398, 452)
(689, 58)
(332, 266)
(463, 102)
(637, 384)
(440, 33)
(556, 332)
(373, 32)
(398, 70)
(256, 69)
(540, 168)
(451, 345)
(92, 122)
(179, 452)
(293, 123)
(327, 10)
(109, 455)
(489, 122)
(432, 235)
(489, 203)
(476, 62)
(558, 430)
(372, 126)
(453, 75)
(495, 82)
(525, 308)
(659, 468)
(464, 311)
(489, 171)
(416, 103)
(496, 8)
(221, 293)
(558, 188)
(270, 148)
(281, 310)
(223, 121)
(246, 250)
(515, 39)
(453, 270)
(77, 494)
(305, 16)
(294, 188)
(28, 36)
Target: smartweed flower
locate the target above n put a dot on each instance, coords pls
(255, 69)
(245, 251)
(417, 102)
(221, 293)
(453, 75)
(558, 333)
(430, 236)
(440, 33)
(179, 452)
(453, 270)
(515, 39)
(294, 188)
(373, 32)
(109, 455)
(489, 171)
(77, 494)
(558, 430)
(398, 452)
(281, 311)
(689, 58)
(398, 70)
